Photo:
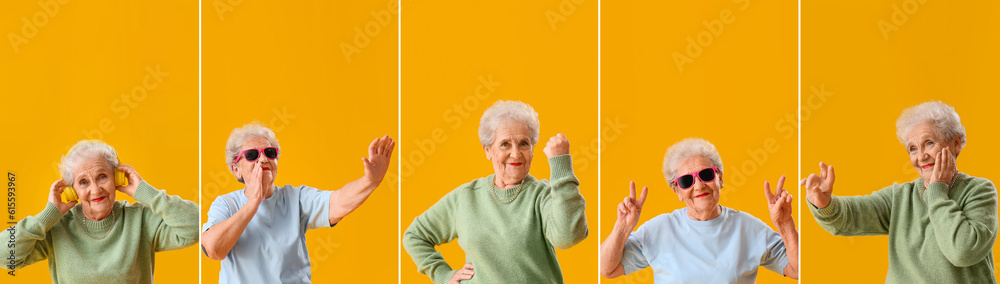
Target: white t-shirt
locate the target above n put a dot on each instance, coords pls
(727, 249)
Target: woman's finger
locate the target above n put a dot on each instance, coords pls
(631, 189)
(642, 196)
(767, 192)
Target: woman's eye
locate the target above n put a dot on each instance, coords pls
(103, 176)
(524, 143)
(930, 143)
(504, 144)
(83, 182)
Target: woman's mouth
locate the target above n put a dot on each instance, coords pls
(516, 164)
(266, 168)
(927, 166)
(99, 199)
(701, 195)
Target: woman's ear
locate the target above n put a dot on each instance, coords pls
(956, 145)
(487, 150)
(719, 180)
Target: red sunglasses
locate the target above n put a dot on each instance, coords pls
(254, 154)
(705, 175)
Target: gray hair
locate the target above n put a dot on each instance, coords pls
(242, 134)
(506, 111)
(941, 115)
(685, 149)
(83, 151)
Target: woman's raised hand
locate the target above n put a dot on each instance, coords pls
(819, 189)
(558, 145)
(629, 209)
(377, 162)
(55, 191)
(779, 203)
(254, 184)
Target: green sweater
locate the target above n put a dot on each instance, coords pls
(158, 222)
(935, 235)
(506, 243)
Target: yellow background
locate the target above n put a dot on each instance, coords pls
(447, 47)
(70, 76)
(944, 51)
(280, 63)
(739, 94)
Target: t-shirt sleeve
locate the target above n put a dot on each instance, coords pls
(632, 257)
(315, 207)
(218, 212)
(774, 258)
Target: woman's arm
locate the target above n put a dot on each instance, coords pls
(174, 220)
(847, 216)
(218, 240)
(563, 210)
(779, 206)
(28, 236)
(353, 194)
(964, 232)
(613, 249)
(434, 227)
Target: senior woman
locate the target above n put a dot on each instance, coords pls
(99, 239)
(704, 242)
(258, 232)
(941, 226)
(508, 223)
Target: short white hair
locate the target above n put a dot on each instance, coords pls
(685, 149)
(86, 150)
(504, 112)
(247, 132)
(940, 115)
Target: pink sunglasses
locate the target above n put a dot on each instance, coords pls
(254, 154)
(705, 175)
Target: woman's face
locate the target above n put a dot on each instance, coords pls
(269, 167)
(923, 143)
(701, 196)
(511, 153)
(94, 182)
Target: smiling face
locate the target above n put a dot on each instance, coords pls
(511, 153)
(243, 168)
(94, 183)
(923, 143)
(700, 197)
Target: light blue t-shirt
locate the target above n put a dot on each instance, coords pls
(272, 248)
(727, 249)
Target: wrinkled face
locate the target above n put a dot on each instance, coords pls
(511, 152)
(701, 196)
(94, 182)
(923, 143)
(243, 168)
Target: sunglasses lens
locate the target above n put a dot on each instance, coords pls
(685, 181)
(251, 155)
(707, 175)
(271, 153)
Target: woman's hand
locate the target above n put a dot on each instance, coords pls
(460, 275)
(133, 180)
(377, 163)
(944, 169)
(254, 184)
(558, 145)
(819, 189)
(55, 191)
(779, 204)
(629, 209)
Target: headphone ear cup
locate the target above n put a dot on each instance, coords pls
(120, 178)
(69, 195)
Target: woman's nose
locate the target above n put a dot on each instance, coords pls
(515, 154)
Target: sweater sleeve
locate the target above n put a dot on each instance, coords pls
(434, 227)
(29, 245)
(171, 222)
(965, 232)
(563, 210)
(857, 215)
